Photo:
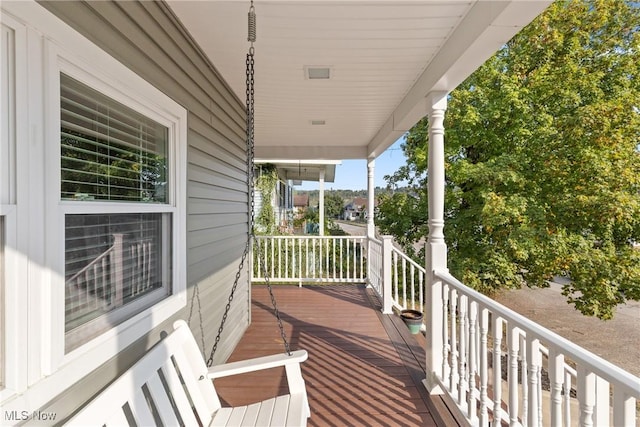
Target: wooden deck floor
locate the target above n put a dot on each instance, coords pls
(364, 368)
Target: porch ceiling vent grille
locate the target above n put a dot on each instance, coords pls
(318, 73)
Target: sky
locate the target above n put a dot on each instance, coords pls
(352, 174)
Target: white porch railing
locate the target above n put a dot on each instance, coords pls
(311, 259)
(122, 272)
(407, 281)
(398, 280)
(500, 366)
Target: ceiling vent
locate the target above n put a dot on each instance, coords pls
(318, 122)
(318, 73)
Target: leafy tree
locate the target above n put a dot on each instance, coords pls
(265, 184)
(542, 161)
(333, 205)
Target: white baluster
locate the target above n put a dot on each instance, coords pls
(300, 262)
(556, 377)
(525, 379)
(601, 408)
(341, 260)
(535, 362)
(404, 283)
(421, 284)
(567, 398)
(395, 276)
(446, 348)
(513, 344)
(496, 328)
(116, 259)
(472, 414)
(586, 390)
(624, 408)
(355, 262)
(464, 327)
(484, 371)
(455, 374)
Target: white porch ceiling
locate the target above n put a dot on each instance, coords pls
(384, 57)
(304, 170)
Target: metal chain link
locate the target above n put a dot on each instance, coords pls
(196, 295)
(250, 104)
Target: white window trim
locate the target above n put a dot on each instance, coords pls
(15, 262)
(147, 100)
(15, 335)
(45, 371)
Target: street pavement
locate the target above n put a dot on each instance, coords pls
(616, 340)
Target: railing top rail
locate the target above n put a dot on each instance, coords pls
(601, 367)
(411, 261)
(299, 237)
(91, 264)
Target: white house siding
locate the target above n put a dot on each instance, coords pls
(146, 37)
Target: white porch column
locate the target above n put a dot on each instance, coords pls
(321, 207)
(436, 248)
(371, 228)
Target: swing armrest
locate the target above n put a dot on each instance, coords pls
(257, 364)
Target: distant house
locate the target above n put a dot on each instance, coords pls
(357, 209)
(351, 212)
(300, 203)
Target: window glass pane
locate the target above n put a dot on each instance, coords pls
(114, 261)
(109, 151)
(7, 116)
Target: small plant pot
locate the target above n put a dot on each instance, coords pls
(413, 320)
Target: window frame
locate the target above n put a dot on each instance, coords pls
(14, 292)
(79, 207)
(144, 98)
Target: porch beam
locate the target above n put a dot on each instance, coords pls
(436, 248)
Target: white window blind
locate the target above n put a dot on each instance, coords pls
(116, 264)
(109, 151)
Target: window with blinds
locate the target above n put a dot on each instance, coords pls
(116, 264)
(108, 150)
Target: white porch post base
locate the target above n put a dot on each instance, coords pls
(432, 384)
(387, 283)
(436, 259)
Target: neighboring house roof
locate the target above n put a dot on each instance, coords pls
(360, 202)
(301, 200)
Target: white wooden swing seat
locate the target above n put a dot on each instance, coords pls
(172, 383)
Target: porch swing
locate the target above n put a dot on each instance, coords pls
(171, 384)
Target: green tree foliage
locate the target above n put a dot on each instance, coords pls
(266, 184)
(542, 161)
(333, 205)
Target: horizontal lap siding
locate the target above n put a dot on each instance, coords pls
(148, 39)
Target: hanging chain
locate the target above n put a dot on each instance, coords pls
(250, 92)
(196, 295)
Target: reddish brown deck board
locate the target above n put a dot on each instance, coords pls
(357, 373)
